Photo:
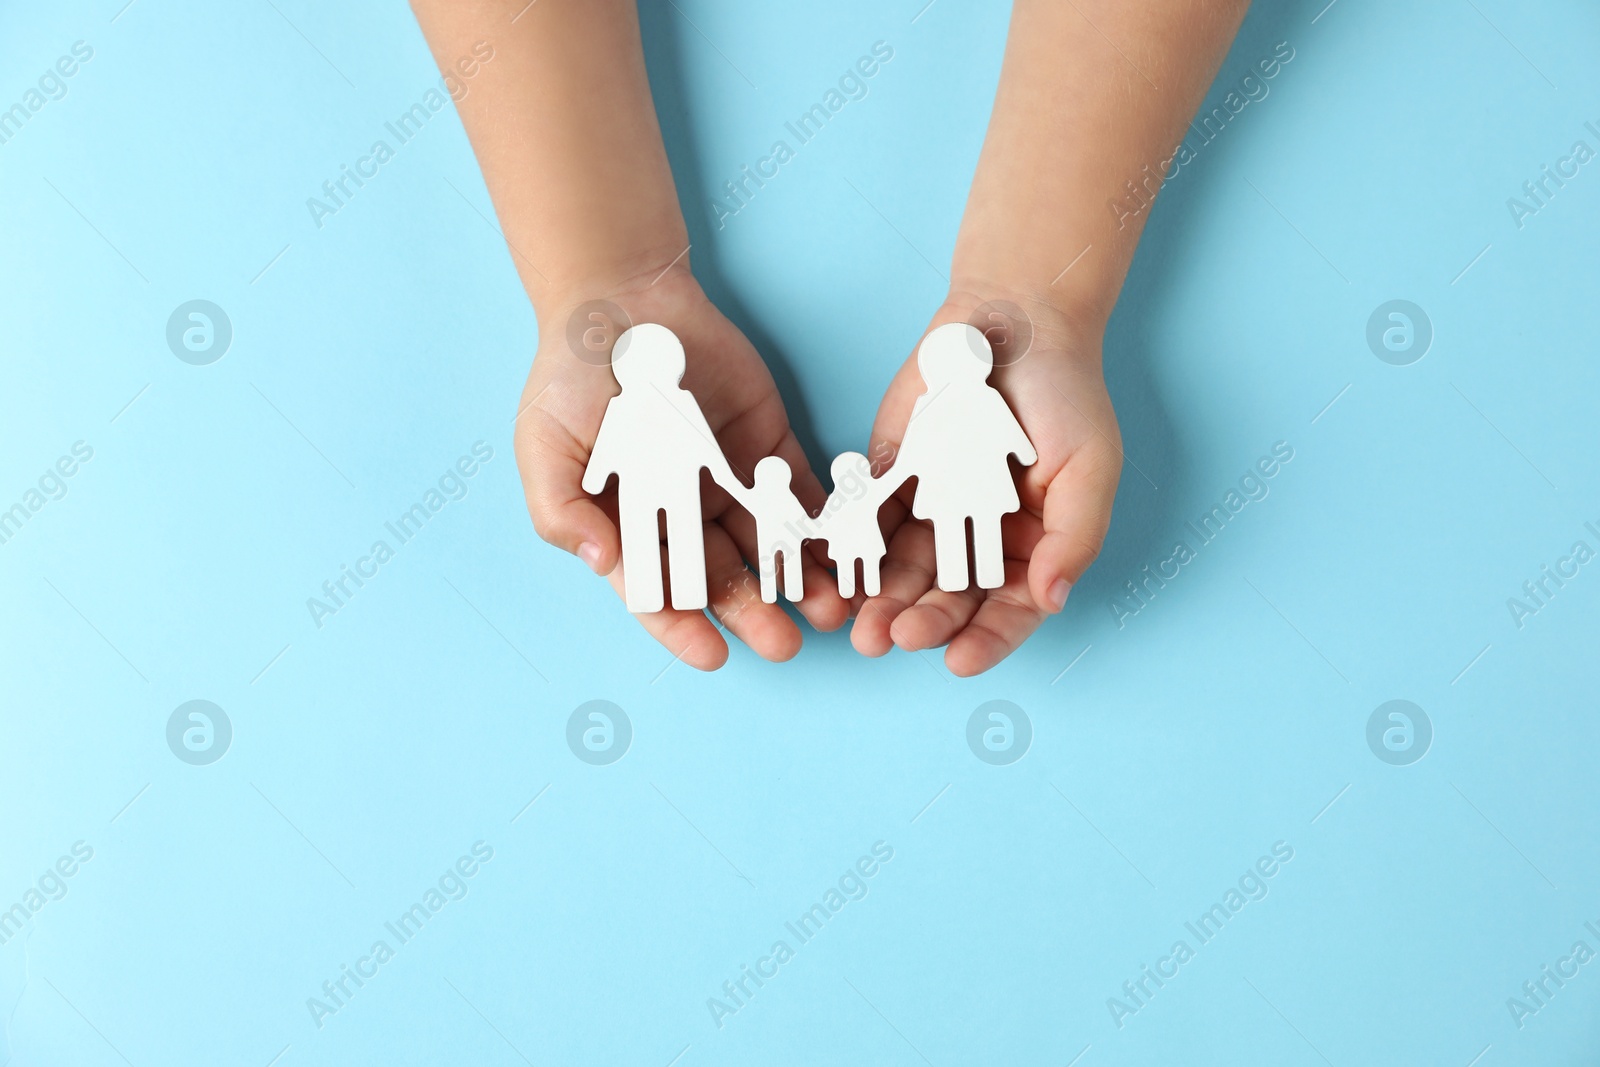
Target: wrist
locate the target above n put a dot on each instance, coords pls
(600, 267)
(1019, 318)
(587, 316)
(621, 276)
(1079, 288)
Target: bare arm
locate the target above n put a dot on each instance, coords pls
(565, 131)
(563, 125)
(1092, 92)
(1094, 95)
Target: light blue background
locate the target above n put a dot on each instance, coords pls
(370, 753)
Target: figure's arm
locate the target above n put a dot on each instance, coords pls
(885, 484)
(800, 518)
(1020, 445)
(711, 456)
(602, 460)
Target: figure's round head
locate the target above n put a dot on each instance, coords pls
(847, 465)
(773, 470)
(648, 354)
(954, 352)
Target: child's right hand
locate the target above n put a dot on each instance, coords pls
(559, 417)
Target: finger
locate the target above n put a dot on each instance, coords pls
(1020, 534)
(889, 426)
(906, 576)
(822, 606)
(935, 619)
(689, 635)
(1077, 513)
(552, 463)
(939, 616)
(896, 511)
(902, 581)
(1006, 619)
(735, 600)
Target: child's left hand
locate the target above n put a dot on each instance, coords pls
(1057, 390)
(560, 413)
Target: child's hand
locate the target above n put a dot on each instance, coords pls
(1039, 195)
(560, 412)
(1058, 392)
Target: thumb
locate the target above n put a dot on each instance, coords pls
(563, 514)
(1077, 513)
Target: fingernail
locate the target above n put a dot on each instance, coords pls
(589, 552)
(1058, 593)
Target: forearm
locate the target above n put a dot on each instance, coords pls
(1076, 119)
(566, 135)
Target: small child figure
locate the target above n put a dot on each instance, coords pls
(850, 521)
(781, 525)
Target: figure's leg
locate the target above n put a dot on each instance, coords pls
(872, 565)
(847, 576)
(988, 554)
(641, 554)
(869, 574)
(950, 552)
(793, 576)
(769, 578)
(686, 558)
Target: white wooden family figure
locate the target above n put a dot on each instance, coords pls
(656, 441)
